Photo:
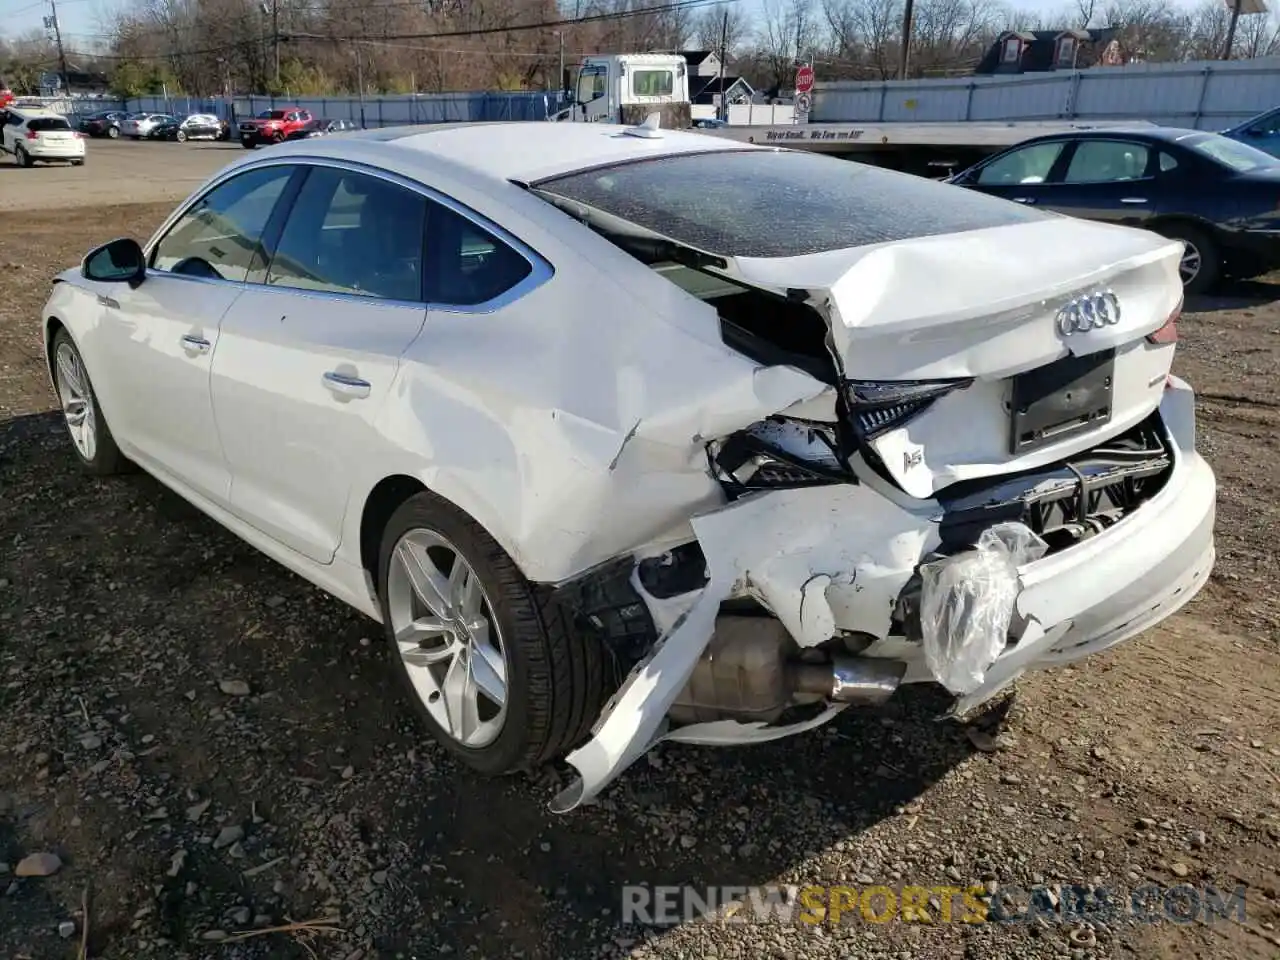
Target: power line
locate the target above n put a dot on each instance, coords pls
(678, 5)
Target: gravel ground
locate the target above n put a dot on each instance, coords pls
(212, 747)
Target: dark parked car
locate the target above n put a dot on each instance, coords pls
(1262, 131)
(321, 127)
(197, 126)
(1219, 196)
(104, 124)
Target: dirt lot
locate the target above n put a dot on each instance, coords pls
(122, 609)
(115, 171)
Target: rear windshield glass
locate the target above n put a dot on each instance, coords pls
(48, 123)
(1230, 153)
(765, 203)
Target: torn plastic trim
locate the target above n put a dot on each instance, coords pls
(779, 453)
(815, 557)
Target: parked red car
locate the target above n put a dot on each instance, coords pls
(273, 126)
(6, 96)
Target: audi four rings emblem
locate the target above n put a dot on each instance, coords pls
(1090, 312)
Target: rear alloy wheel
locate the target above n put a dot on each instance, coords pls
(180, 136)
(90, 436)
(499, 675)
(113, 133)
(277, 137)
(1201, 265)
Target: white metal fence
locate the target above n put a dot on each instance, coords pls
(1208, 95)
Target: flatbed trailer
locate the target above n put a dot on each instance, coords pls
(913, 147)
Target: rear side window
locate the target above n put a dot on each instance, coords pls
(1107, 161)
(469, 265)
(41, 124)
(778, 203)
(354, 234)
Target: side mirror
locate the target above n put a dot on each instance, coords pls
(120, 261)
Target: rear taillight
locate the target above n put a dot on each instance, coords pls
(878, 406)
(32, 135)
(1169, 332)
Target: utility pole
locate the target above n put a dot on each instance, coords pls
(275, 37)
(904, 55)
(62, 56)
(1231, 28)
(724, 44)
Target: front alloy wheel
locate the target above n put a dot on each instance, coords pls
(90, 435)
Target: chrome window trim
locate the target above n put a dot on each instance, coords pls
(541, 269)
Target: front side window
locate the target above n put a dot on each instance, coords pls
(1027, 165)
(355, 234)
(469, 265)
(219, 235)
(652, 83)
(1107, 161)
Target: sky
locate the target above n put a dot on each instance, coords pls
(81, 19)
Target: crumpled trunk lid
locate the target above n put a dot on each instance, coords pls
(984, 306)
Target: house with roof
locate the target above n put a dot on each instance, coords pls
(1042, 51)
(707, 87)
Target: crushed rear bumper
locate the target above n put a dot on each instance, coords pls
(836, 558)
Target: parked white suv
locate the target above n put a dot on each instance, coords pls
(32, 135)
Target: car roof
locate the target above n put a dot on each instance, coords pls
(35, 113)
(529, 151)
(1150, 133)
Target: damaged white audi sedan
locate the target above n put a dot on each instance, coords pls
(629, 435)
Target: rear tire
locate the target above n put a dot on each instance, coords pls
(77, 163)
(180, 136)
(113, 133)
(1201, 265)
(22, 158)
(87, 428)
(552, 676)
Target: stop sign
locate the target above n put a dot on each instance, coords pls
(804, 79)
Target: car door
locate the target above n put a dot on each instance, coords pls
(160, 337)
(1019, 174)
(306, 358)
(1109, 180)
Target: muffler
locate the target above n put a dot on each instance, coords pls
(864, 681)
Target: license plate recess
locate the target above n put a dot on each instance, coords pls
(1060, 400)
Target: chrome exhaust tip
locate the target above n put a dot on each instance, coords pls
(866, 681)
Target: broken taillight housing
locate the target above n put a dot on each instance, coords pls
(776, 454)
(1169, 332)
(877, 406)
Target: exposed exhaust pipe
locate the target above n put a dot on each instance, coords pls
(866, 681)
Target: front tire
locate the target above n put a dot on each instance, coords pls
(248, 144)
(494, 665)
(113, 133)
(90, 435)
(180, 136)
(1201, 264)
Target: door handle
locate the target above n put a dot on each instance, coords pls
(341, 385)
(194, 345)
(1024, 200)
(1133, 199)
